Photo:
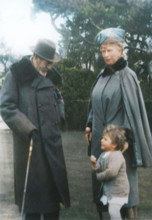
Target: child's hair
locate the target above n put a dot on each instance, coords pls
(117, 136)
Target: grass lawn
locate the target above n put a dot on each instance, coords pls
(79, 175)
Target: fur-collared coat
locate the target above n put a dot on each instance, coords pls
(28, 103)
(122, 104)
(116, 98)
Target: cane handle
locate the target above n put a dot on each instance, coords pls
(31, 147)
(31, 143)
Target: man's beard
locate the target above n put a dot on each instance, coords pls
(43, 71)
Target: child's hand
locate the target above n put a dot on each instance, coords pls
(93, 161)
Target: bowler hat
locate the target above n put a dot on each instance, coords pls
(46, 49)
(114, 33)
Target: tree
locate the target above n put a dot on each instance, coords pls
(76, 91)
(83, 19)
(6, 58)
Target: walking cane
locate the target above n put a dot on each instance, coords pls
(26, 176)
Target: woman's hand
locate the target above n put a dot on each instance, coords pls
(88, 135)
(125, 148)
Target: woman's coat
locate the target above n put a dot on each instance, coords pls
(135, 116)
(28, 103)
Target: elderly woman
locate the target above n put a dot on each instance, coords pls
(116, 98)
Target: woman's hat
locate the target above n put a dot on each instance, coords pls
(46, 49)
(114, 33)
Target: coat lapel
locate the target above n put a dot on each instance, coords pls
(41, 82)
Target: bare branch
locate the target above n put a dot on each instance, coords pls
(54, 25)
(92, 22)
(87, 41)
(134, 48)
(83, 38)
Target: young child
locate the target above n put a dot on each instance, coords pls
(110, 169)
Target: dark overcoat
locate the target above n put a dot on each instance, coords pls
(27, 103)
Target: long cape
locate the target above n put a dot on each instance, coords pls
(136, 114)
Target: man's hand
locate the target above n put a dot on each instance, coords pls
(34, 135)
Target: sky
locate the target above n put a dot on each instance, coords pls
(20, 29)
